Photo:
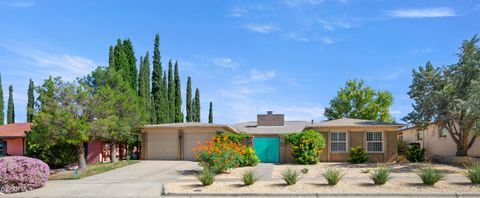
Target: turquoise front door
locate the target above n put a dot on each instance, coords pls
(267, 149)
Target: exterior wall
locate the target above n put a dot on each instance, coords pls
(15, 146)
(95, 152)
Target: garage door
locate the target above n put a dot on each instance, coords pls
(162, 146)
(191, 142)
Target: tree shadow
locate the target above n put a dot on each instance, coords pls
(188, 172)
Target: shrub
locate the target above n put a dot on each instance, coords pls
(402, 146)
(380, 175)
(414, 153)
(232, 137)
(206, 177)
(249, 178)
(56, 155)
(332, 176)
(19, 174)
(430, 176)
(306, 146)
(290, 176)
(357, 155)
(473, 173)
(248, 157)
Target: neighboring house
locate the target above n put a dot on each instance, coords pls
(436, 141)
(12, 139)
(176, 141)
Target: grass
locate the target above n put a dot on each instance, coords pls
(290, 176)
(380, 175)
(430, 176)
(206, 177)
(249, 178)
(333, 176)
(91, 170)
(473, 173)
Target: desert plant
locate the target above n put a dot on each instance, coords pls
(290, 176)
(206, 177)
(249, 178)
(473, 173)
(414, 153)
(306, 146)
(430, 176)
(333, 176)
(380, 175)
(19, 174)
(357, 155)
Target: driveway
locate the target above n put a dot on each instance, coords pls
(142, 179)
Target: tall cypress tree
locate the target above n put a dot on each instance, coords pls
(2, 104)
(196, 106)
(166, 103)
(10, 108)
(178, 96)
(171, 93)
(31, 101)
(189, 100)
(210, 113)
(131, 69)
(144, 85)
(158, 90)
(111, 57)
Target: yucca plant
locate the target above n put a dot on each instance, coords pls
(206, 177)
(380, 175)
(249, 178)
(430, 176)
(473, 173)
(333, 176)
(290, 176)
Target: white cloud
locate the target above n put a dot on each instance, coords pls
(22, 4)
(244, 92)
(333, 24)
(326, 40)
(238, 12)
(262, 28)
(298, 37)
(255, 75)
(302, 2)
(422, 13)
(224, 62)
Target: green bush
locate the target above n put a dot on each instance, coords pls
(430, 176)
(333, 176)
(380, 175)
(414, 153)
(290, 176)
(56, 156)
(357, 155)
(249, 178)
(248, 157)
(232, 137)
(206, 177)
(306, 146)
(473, 173)
(401, 146)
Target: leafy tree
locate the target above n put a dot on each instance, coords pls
(11, 107)
(171, 93)
(210, 113)
(450, 96)
(144, 84)
(178, 96)
(159, 99)
(31, 101)
(2, 104)
(63, 115)
(197, 117)
(189, 100)
(362, 102)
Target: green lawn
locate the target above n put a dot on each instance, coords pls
(92, 170)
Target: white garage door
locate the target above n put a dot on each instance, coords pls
(191, 142)
(162, 146)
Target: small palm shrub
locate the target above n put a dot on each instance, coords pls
(430, 176)
(380, 175)
(249, 178)
(473, 173)
(206, 177)
(290, 176)
(333, 176)
(357, 155)
(20, 174)
(414, 153)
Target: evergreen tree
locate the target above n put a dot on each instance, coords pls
(171, 93)
(189, 100)
(131, 69)
(194, 111)
(197, 106)
(2, 104)
(10, 108)
(111, 57)
(210, 113)
(178, 96)
(31, 101)
(144, 86)
(158, 88)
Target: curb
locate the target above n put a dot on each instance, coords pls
(453, 194)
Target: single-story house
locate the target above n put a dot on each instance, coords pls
(436, 140)
(12, 139)
(176, 141)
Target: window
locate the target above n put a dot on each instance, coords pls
(419, 135)
(374, 141)
(2, 148)
(442, 133)
(338, 141)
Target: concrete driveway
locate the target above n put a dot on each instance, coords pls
(143, 179)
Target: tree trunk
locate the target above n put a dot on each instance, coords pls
(461, 150)
(113, 153)
(82, 164)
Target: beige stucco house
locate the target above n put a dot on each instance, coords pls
(436, 141)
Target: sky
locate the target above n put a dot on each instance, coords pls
(247, 57)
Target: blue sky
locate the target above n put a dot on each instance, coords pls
(247, 57)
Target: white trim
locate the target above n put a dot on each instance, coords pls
(382, 141)
(346, 141)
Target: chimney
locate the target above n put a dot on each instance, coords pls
(270, 119)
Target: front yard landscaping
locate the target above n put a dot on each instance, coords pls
(91, 170)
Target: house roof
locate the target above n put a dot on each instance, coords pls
(189, 125)
(14, 129)
(350, 122)
(288, 127)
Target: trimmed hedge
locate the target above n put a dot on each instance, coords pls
(20, 174)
